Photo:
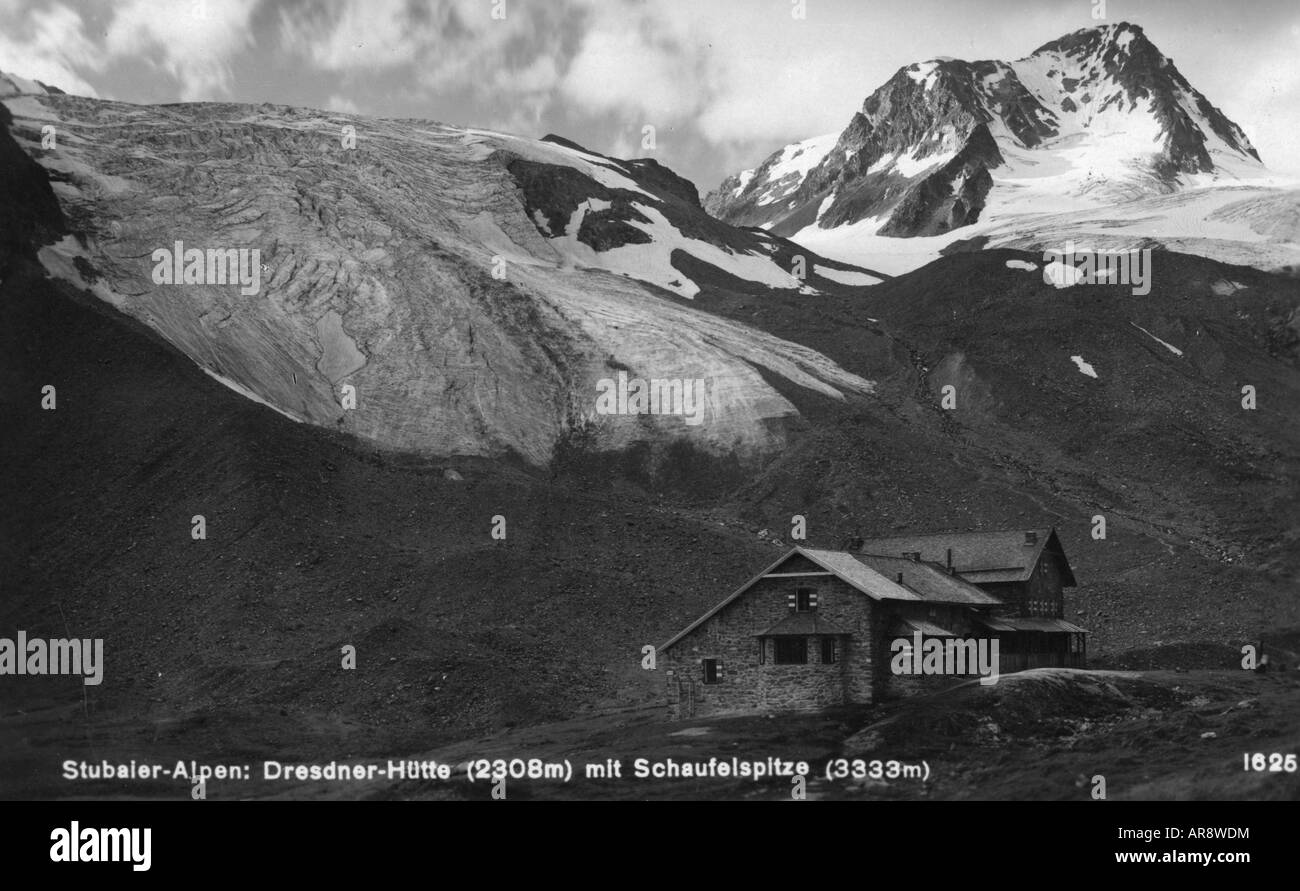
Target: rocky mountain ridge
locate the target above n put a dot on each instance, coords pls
(922, 155)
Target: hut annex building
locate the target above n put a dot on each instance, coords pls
(815, 628)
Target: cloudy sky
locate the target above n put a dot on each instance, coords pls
(724, 82)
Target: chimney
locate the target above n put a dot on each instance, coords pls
(900, 578)
(1031, 538)
(950, 561)
(856, 543)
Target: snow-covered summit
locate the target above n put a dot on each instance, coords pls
(1096, 118)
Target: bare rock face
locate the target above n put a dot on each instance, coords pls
(425, 287)
(29, 213)
(951, 197)
(759, 196)
(926, 148)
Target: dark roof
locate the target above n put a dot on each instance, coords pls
(930, 581)
(927, 629)
(801, 625)
(857, 571)
(999, 556)
(1031, 623)
(845, 566)
(853, 569)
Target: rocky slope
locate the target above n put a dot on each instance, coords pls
(472, 288)
(228, 648)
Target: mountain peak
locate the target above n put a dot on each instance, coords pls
(924, 152)
(1103, 40)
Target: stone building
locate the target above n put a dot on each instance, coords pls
(1026, 570)
(814, 629)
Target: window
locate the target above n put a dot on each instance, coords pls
(791, 651)
(829, 654)
(802, 600)
(712, 671)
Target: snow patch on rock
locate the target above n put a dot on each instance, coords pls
(1061, 275)
(1169, 346)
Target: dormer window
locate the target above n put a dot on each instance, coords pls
(805, 600)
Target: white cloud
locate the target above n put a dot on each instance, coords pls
(341, 103)
(541, 75)
(451, 45)
(791, 103)
(621, 68)
(739, 71)
(364, 35)
(193, 41)
(49, 46)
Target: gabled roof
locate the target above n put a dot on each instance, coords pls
(857, 572)
(929, 580)
(997, 556)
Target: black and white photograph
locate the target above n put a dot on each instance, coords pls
(650, 400)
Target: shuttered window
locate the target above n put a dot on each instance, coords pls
(803, 600)
(712, 671)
